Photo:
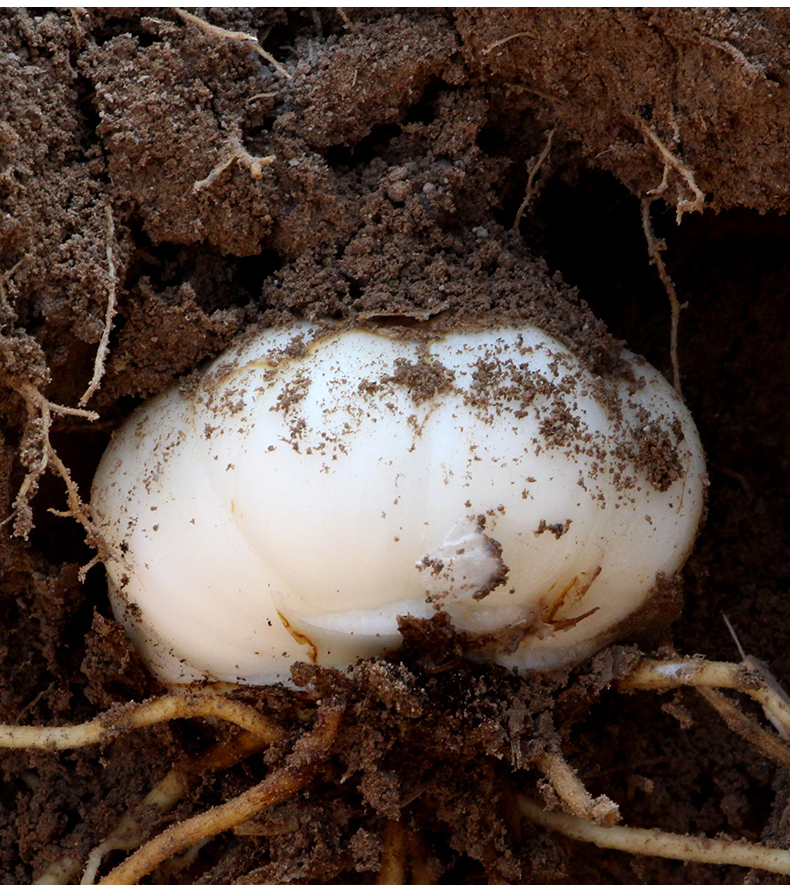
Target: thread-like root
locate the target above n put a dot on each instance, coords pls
(140, 715)
(130, 832)
(308, 753)
(658, 843)
(39, 455)
(574, 795)
(109, 316)
(704, 675)
(502, 41)
(672, 162)
(251, 39)
(531, 190)
(36, 449)
(347, 21)
(700, 673)
(234, 152)
(654, 248)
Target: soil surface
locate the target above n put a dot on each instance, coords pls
(392, 165)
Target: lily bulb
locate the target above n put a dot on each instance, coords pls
(317, 483)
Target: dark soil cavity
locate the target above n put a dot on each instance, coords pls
(397, 158)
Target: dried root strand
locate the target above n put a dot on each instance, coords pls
(347, 21)
(215, 31)
(134, 715)
(234, 151)
(658, 843)
(654, 248)
(502, 41)
(672, 162)
(308, 753)
(531, 191)
(41, 455)
(109, 316)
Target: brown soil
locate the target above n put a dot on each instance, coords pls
(397, 158)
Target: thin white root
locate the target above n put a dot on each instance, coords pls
(279, 786)
(29, 392)
(498, 43)
(658, 843)
(654, 248)
(574, 794)
(128, 834)
(672, 162)
(530, 191)
(109, 316)
(215, 31)
(235, 152)
(61, 873)
(152, 712)
(755, 665)
(702, 675)
(747, 727)
(696, 672)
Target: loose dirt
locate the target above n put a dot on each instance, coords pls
(179, 174)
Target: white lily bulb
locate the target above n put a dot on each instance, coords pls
(316, 484)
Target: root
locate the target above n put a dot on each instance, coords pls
(747, 727)
(574, 794)
(393, 855)
(36, 440)
(402, 858)
(281, 784)
(37, 453)
(129, 833)
(110, 724)
(531, 191)
(655, 247)
(215, 31)
(584, 824)
(672, 162)
(7, 312)
(498, 43)
(658, 843)
(697, 672)
(347, 21)
(235, 152)
(703, 675)
(101, 352)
